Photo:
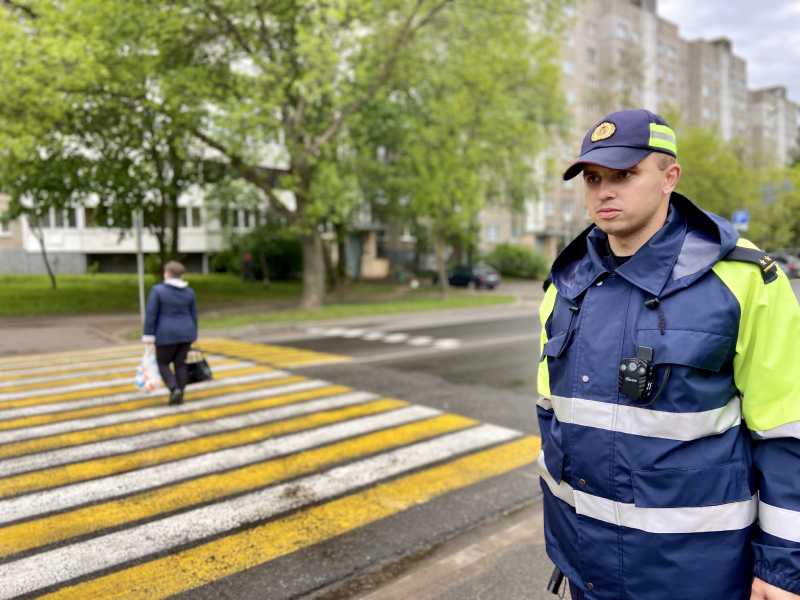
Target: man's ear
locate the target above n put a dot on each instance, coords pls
(671, 178)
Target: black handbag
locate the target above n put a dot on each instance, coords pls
(198, 367)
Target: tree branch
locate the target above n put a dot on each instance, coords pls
(403, 37)
(20, 7)
(265, 178)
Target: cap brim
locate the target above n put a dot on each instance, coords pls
(611, 157)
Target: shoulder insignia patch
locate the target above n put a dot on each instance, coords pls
(767, 264)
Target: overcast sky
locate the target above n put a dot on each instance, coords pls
(766, 33)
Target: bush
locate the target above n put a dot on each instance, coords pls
(280, 247)
(518, 261)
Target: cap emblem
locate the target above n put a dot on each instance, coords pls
(603, 131)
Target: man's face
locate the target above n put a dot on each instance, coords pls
(624, 203)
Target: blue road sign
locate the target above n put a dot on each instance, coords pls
(741, 219)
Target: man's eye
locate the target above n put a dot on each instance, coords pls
(592, 179)
(622, 175)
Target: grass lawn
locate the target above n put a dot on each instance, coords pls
(219, 296)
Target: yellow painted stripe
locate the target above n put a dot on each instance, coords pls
(24, 387)
(113, 389)
(112, 465)
(124, 429)
(56, 528)
(107, 409)
(219, 558)
(283, 356)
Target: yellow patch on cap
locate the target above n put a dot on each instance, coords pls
(603, 131)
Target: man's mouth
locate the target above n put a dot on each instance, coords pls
(608, 213)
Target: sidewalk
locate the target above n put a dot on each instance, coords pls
(501, 560)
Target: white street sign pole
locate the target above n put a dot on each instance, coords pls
(139, 260)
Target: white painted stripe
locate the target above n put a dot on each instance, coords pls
(787, 430)
(92, 385)
(395, 338)
(353, 333)
(780, 522)
(129, 360)
(645, 421)
(152, 439)
(67, 405)
(373, 336)
(15, 435)
(22, 362)
(335, 332)
(422, 340)
(35, 572)
(447, 344)
(315, 330)
(106, 371)
(114, 486)
(730, 516)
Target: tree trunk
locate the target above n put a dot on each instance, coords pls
(341, 263)
(264, 269)
(313, 270)
(39, 235)
(439, 245)
(174, 225)
(332, 275)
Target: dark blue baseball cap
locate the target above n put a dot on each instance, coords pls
(623, 139)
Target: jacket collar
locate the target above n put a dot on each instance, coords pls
(685, 248)
(178, 283)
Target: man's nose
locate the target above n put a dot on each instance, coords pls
(606, 191)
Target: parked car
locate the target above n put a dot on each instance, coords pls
(479, 276)
(789, 263)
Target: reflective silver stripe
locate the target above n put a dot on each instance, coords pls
(780, 522)
(662, 136)
(790, 430)
(645, 421)
(561, 490)
(691, 519)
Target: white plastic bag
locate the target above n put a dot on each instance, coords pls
(147, 376)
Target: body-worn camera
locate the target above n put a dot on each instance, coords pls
(636, 375)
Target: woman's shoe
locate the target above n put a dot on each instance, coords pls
(176, 397)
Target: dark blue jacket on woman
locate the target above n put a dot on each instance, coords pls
(171, 314)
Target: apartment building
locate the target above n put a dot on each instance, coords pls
(76, 243)
(774, 122)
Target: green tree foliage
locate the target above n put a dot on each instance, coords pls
(713, 174)
(465, 117)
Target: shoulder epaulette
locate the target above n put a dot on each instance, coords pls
(767, 264)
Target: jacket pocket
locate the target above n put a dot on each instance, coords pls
(696, 486)
(697, 349)
(557, 345)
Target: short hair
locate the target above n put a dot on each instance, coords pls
(174, 269)
(665, 161)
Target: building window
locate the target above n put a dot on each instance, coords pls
(591, 56)
(548, 207)
(568, 67)
(89, 217)
(183, 217)
(4, 228)
(197, 217)
(622, 29)
(491, 233)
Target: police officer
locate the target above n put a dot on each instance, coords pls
(670, 390)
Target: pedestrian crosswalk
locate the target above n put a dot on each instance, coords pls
(386, 337)
(108, 492)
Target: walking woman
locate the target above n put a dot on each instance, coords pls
(171, 324)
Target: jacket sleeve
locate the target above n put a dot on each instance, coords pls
(767, 374)
(151, 317)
